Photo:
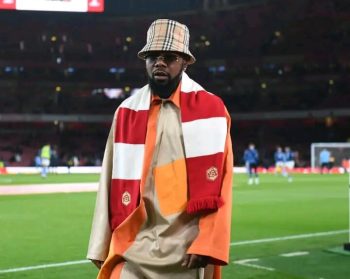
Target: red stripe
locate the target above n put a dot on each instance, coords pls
(200, 185)
(10, 6)
(201, 105)
(131, 126)
(118, 211)
(98, 8)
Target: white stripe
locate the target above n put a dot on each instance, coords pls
(139, 101)
(44, 5)
(43, 266)
(295, 254)
(142, 98)
(189, 85)
(130, 167)
(204, 136)
(298, 236)
(247, 262)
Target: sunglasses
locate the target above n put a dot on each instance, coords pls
(168, 58)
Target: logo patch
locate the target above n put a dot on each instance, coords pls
(212, 173)
(126, 198)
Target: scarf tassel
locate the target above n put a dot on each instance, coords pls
(204, 205)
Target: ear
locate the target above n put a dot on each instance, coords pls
(184, 65)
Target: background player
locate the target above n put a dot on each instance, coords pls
(251, 159)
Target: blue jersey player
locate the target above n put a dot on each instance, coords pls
(251, 159)
(290, 162)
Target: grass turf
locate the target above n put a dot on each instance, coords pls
(43, 229)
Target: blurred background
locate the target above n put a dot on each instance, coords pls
(281, 67)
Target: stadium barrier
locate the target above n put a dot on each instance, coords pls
(66, 170)
(3, 170)
(55, 170)
(307, 170)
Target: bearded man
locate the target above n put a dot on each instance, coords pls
(163, 207)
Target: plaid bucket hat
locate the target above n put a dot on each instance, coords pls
(167, 35)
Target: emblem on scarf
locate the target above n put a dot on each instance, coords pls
(212, 173)
(126, 198)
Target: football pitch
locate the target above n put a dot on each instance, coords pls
(279, 229)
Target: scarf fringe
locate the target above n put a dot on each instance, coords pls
(204, 205)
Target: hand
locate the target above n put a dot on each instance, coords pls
(195, 261)
(97, 263)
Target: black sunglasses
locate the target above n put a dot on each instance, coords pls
(166, 57)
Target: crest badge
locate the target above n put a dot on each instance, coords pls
(212, 173)
(126, 198)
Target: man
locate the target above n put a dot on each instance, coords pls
(45, 155)
(280, 160)
(290, 162)
(163, 208)
(251, 158)
(325, 160)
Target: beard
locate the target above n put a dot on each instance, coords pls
(164, 90)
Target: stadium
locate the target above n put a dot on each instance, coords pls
(282, 69)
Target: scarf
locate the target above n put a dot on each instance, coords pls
(204, 127)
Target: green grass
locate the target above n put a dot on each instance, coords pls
(312, 203)
(43, 229)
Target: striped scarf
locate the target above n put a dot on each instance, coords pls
(204, 128)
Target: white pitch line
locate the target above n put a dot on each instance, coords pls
(42, 266)
(295, 254)
(298, 236)
(247, 262)
(48, 188)
(232, 244)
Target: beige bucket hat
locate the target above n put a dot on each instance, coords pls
(167, 35)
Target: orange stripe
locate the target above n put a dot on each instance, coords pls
(151, 134)
(117, 271)
(171, 187)
(122, 238)
(150, 142)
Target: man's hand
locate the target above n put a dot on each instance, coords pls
(195, 261)
(97, 263)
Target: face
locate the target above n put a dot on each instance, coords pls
(164, 71)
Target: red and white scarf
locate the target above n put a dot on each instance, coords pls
(204, 127)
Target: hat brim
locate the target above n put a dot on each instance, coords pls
(142, 54)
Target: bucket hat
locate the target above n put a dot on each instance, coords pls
(167, 35)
